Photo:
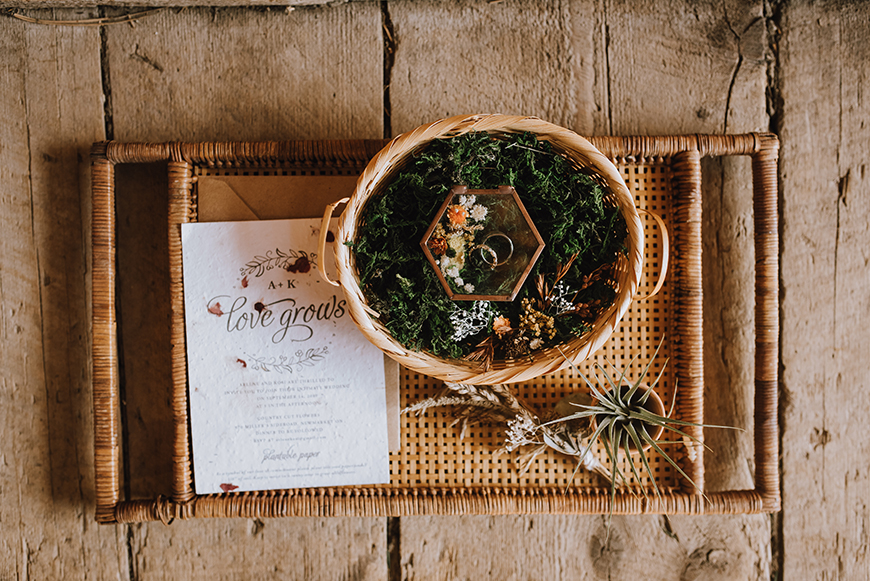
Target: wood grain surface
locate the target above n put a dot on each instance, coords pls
(597, 66)
(243, 75)
(51, 113)
(823, 71)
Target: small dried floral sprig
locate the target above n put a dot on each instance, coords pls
(470, 322)
(553, 298)
(523, 428)
(537, 323)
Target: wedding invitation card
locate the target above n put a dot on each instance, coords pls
(285, 391)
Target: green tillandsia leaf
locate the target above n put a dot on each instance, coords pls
(575, 369)
(678, 469)
(646, 370)
(638, 443)
(647, 416)
(664, 424)
(655, 382)
(623, 437)
(615, 394)
(578, 416)
(614, 471)
(611, 444)
(600, 395)
(674, 399)
(573, 474)
(596, 435)
(610, 405)
(630, 395)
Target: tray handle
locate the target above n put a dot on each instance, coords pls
(666, 250)
(321, 243)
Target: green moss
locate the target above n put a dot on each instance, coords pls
(566, 206)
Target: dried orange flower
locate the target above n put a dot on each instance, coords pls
(457, 215)
(437, 245)
(501, 325)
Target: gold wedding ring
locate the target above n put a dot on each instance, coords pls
(488, 252)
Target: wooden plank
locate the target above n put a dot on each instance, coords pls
(729, 259)
(27, 6)
(293, 548)
(245, 75)
(19, 319)
(675, 67)
(570, 547)
(227, 74)
(51, 113)
(481, 57)
(823, 83)
(606, 67)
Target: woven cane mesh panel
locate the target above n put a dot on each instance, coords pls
(432, 454)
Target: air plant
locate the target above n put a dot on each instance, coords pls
(620, 417)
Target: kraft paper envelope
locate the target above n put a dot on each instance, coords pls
(240, 198)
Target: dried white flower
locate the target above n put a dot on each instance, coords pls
(458, 280)
(519, 433)
(452, 271)
(535, 343)
(467, 201)
(478, 213)
(470, 322)
(469, 288)
(558, 300)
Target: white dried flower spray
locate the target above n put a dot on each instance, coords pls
(467, 201)
(467, 323)
(520, 432)
(558, 298)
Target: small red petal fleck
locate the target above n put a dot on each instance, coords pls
(245, 282)
(330, 237)
(215, 309)
(258, 306)
(241, 362)
(228, 487)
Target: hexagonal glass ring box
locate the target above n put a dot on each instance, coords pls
(482, 244)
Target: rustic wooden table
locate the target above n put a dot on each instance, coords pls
(597, 66)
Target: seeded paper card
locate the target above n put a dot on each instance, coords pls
(285, 391)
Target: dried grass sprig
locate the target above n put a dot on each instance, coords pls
(523, 428)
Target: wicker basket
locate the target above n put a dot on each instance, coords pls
(378, 175)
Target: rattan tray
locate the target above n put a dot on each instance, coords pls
(435, 472)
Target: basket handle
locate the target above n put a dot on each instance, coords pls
(321, 243)
(666, 244)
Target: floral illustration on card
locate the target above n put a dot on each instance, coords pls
(289, 364)
(296, 261)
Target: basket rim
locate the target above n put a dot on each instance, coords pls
(548, 360)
